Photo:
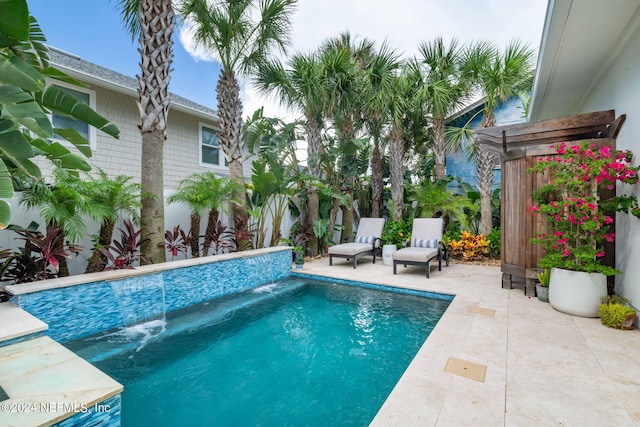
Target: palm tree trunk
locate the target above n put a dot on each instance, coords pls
(439, 152)
(485, 161)
(314, 152)
(348, 182)
(195, 236)
(156, 55)
(231, 137)
(376, 181)
(152, 185)
(396, 160)
(347, 215)
(212, 220)
(97, 262)
(333, 217)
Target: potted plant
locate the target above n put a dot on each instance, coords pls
(298, 256)
(578, 222)
(615, 312)
(396, 233)
(542, 287)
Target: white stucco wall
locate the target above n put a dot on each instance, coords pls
(619, 89)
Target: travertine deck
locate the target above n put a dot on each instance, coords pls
(543, 368)
(48, 383)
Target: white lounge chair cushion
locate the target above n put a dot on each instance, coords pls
(414, 254)
(349, 248)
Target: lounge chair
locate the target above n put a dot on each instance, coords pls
(366, 242)
(426, 245)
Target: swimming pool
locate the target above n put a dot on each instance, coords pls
(298, 352)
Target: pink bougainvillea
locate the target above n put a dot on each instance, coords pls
(578, 221)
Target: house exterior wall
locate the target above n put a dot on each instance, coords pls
(457, 164)
(181, 151)
(619, 89)
(123, 156)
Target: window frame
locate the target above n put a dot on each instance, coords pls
(92, 135)
(222, 158)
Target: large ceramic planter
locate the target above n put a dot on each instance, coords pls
(387, 254)
(576, 292)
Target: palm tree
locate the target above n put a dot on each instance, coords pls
(202, 191)
(446, 88)
(437, 199)
(379, 79)
(192, 191)
(301, 87)
(115, 196)
(398, 104)
(61, 207)
(498, 76)
(219, 192)
(345, 60)
(240, 34)
(152, 21)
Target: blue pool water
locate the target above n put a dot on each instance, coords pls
(299, 352)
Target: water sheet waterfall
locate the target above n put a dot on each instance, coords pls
(263, 266)
(141, 300)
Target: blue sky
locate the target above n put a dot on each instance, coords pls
(92, 29)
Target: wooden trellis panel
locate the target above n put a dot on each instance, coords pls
(520, 146)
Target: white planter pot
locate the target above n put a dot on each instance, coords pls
(387, 254)
(576, 292)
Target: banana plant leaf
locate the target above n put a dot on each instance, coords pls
(60, 101)
(15, 71)
(14, 25)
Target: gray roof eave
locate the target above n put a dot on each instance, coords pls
(179, 103)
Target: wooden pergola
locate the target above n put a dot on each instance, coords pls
(520, 145)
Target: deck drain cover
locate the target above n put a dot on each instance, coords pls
(484, 311)
(464, 368)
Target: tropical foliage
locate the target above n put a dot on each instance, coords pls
(201, 191)
(125, 252)
(578, 221)
(110, 199)
(25, 102)
(240, 35)
(38, 259)
(469, 247)
(371, 138)
(176, 241)
(396, 233)
(498, 76)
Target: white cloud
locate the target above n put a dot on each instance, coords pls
(187, 38)
(404, 23)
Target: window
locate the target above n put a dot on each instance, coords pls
(210, 151)
(63, 122)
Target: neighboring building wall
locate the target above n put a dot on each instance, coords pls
(619, 89)
(118, 156)
(122, 156)
(457, 164)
